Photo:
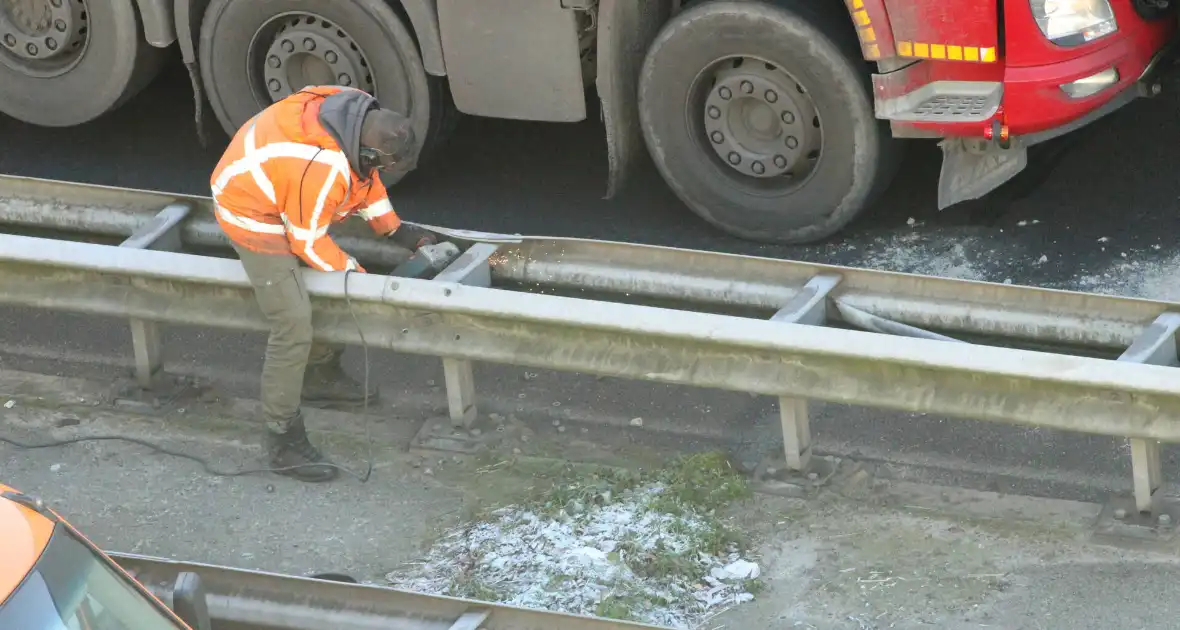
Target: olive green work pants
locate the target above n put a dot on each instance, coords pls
(282, 296)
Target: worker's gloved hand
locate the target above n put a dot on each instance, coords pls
(412, 237)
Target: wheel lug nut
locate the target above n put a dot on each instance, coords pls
(274, 61)
(717, 137)
(60, 25)
(714, 113)
(56, 3)
(792, 142)
(771, 96)
(734, 158)
(10, 40)
(274, 85)
(780, 161)
(50, 44)
(758, 168)
(747, 87)
(725, 93)
(309, 44)
(788, 117)
(32, 48)
(330, 56)
(345, 79)
(288, 45)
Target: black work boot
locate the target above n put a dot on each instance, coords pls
(328, 385)
(292, 449)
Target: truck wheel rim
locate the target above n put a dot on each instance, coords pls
(43, 38)
(295, 50)
(759, 121)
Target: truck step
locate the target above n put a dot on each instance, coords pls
(944, 101)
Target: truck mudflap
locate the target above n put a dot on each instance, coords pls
(973, 167)
(625, 29)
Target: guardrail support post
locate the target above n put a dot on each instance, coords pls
(1146, 472)
(159, 234)
(148, 349)
(809, 307)
(1155, 346)
(796, 432)
(471, 620)
(471, 269)
(460, 383)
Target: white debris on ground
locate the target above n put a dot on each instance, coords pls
(931, 254)
(625, 559)
(1153, 277)
(1146, 272)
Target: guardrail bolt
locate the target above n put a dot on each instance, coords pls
(1120, 514)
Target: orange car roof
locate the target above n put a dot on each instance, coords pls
(23, 536)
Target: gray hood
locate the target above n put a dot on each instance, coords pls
(341, 114)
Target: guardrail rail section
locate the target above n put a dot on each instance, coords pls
(1069, 361)
(240, 598)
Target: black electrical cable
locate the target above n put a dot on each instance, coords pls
(365, 391)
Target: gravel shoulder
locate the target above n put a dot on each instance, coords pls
(858, 553)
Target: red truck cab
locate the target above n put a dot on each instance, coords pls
(996, 79)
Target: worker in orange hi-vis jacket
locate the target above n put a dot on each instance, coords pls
(304, 163)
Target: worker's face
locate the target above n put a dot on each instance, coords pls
(378, 160)
(390, 169)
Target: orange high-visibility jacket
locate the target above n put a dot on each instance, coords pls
(292, 171)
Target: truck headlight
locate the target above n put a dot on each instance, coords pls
(1073, 22)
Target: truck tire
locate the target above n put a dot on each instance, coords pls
(67, 62)
(253, 54)
(760, 119)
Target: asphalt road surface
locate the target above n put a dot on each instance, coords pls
(1104, 220)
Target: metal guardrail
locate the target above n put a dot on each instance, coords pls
(679, 277)
(649, 313)
(239, 598)
(119, 212)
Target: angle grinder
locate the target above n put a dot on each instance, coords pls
(427, 261)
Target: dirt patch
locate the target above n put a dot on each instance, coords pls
(858, 560)
(613, 543)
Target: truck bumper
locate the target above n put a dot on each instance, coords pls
(971, 169)
(1038, 108)
(1146, 85)
(1029, 101)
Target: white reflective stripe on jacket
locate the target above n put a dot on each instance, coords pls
(251, 162)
